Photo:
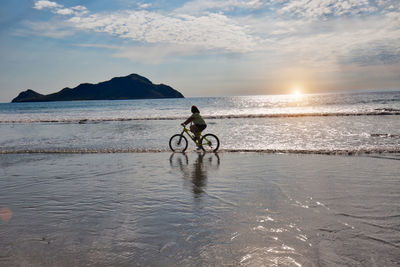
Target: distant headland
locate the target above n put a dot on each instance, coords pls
(132, 86)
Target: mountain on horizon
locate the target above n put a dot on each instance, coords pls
(132, 86)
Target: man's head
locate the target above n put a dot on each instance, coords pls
(195, 109)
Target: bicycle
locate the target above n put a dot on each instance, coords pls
(208, 142)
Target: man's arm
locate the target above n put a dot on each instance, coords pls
(188, 120)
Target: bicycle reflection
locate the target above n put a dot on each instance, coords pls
(195, 172)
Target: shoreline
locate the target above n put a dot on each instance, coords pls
(221, 151)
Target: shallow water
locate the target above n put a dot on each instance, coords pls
(162, 209)
(328, 135)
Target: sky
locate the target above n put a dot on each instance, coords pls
(201, 47)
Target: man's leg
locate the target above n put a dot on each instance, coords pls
(194, 130)
(196, 133)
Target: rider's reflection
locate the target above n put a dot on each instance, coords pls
(197, 171)
(198, 176)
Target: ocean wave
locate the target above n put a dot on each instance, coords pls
(385, 135)
(387, 109)
(377, 112)
(345, 152)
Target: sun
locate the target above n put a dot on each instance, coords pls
(296, 91)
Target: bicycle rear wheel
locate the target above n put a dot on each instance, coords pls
(209, 143)
(178, 143)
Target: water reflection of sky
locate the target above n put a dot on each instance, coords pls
(196, 209)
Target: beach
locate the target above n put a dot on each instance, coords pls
(200, 133)
(195, 209)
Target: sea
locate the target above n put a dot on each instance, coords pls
(337, 123)
(309, 180)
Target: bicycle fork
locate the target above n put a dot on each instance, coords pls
(180, 138)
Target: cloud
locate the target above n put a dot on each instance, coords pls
(42, 4)
(388, 4)
(60, 9)
(199, 6)
(321, 8)
(328, 46)
(206, 32)
(374, 53)
(65, 11)
(52, 29)
(211, 31)
(144, 5)
(312, 33)
(149, 54)
(324, 9)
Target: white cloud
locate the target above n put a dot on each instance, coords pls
(206, 32)
(42, 4)
(60, 9)
(320, 8)
(199, 6)
(65, 11)
(144, 5)
(331, 43)
(388, 4)
(80, 8)
(293, 40)
(317, 9)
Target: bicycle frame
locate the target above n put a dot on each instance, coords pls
(197, 142)
(187, 131)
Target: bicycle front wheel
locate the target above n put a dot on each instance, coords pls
(178, 143)
(209, 143)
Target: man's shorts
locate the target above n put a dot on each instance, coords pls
(200, 127)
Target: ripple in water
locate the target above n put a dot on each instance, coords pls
(198, 209)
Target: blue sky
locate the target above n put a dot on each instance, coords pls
(201, 47)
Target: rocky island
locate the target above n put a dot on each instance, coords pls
(132, 86)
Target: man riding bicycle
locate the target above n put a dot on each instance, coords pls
(208, 142)
(198, 122)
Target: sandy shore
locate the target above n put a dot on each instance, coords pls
(162, 209)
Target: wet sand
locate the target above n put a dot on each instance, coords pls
(162, 209)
